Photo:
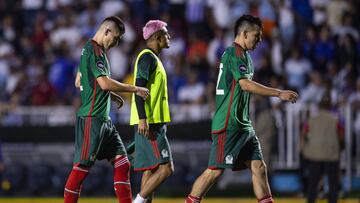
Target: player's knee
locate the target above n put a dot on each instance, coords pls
(76, 178)
(167, 170)
(122, 168)
(214, 173)
(259, 168)
(126, 167)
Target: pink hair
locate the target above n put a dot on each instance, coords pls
(151, 27)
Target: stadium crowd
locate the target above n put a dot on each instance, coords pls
(311, 46)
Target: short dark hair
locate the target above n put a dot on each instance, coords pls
(245, 21)
(118, 22)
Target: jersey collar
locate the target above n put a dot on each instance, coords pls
(152, 51)
(97, 48)
(239, 51)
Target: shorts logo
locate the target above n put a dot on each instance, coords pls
(100, 65)
(242, 68)
(164, 153)
(229, 159)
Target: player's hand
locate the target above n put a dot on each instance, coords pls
(142, 92)
(288, 95)
(143, 127)
(117, 99)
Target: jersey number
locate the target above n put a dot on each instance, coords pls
(219, 91)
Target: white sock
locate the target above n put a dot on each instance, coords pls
(139, 199)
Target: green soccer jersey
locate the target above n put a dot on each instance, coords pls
(232, 103)
(93, 64)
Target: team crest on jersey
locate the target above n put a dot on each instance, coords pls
(164, 153)
(242, 68)
(229, 159)
(100, 65)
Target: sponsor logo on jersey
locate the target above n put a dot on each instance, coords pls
(229, 159)
(164, 153)
(100, 65)
(242, 68)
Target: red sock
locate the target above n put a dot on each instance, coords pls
(266, 199)
(192, 199)
(122, 179)
(73, 184)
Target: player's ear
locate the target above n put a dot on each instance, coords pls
(107, 31)
(245, 34)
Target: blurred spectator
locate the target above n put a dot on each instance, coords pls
(268, 16)
(323, 50)
(286, 25)
(220, 13)
(264, 71)
(239, 8)
(261, 52)
(276, 53)
(193, 91)
(195, 16)
(40, 36)
(7, 30)
(347, 27)
(346, 51)
(90, 13)
(297, 69)
(335, 11)
(196, 55)
(354, 101)
(177, 80)
(304, 12)
(314, 91)
(65, 32)
(61, 73)
(265, 128)
(111, 7)
(309, 43)
(321, 140)
(156, 8)
(43, 93)
(217, 47)
(319, 11)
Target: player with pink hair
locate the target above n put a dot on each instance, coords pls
(152, 150)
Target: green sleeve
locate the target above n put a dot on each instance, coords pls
(146, 66)
(97, 65)
(239, 70)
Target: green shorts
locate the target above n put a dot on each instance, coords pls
(232, 148)
(153, 151)
(96, 139)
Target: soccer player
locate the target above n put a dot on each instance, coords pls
(95, 135)
(235, 144)
(152, 150)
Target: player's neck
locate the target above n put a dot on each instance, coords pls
(240, 43)
(154, 47)
(98, 39)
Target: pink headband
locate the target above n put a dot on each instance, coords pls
(151, 27)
